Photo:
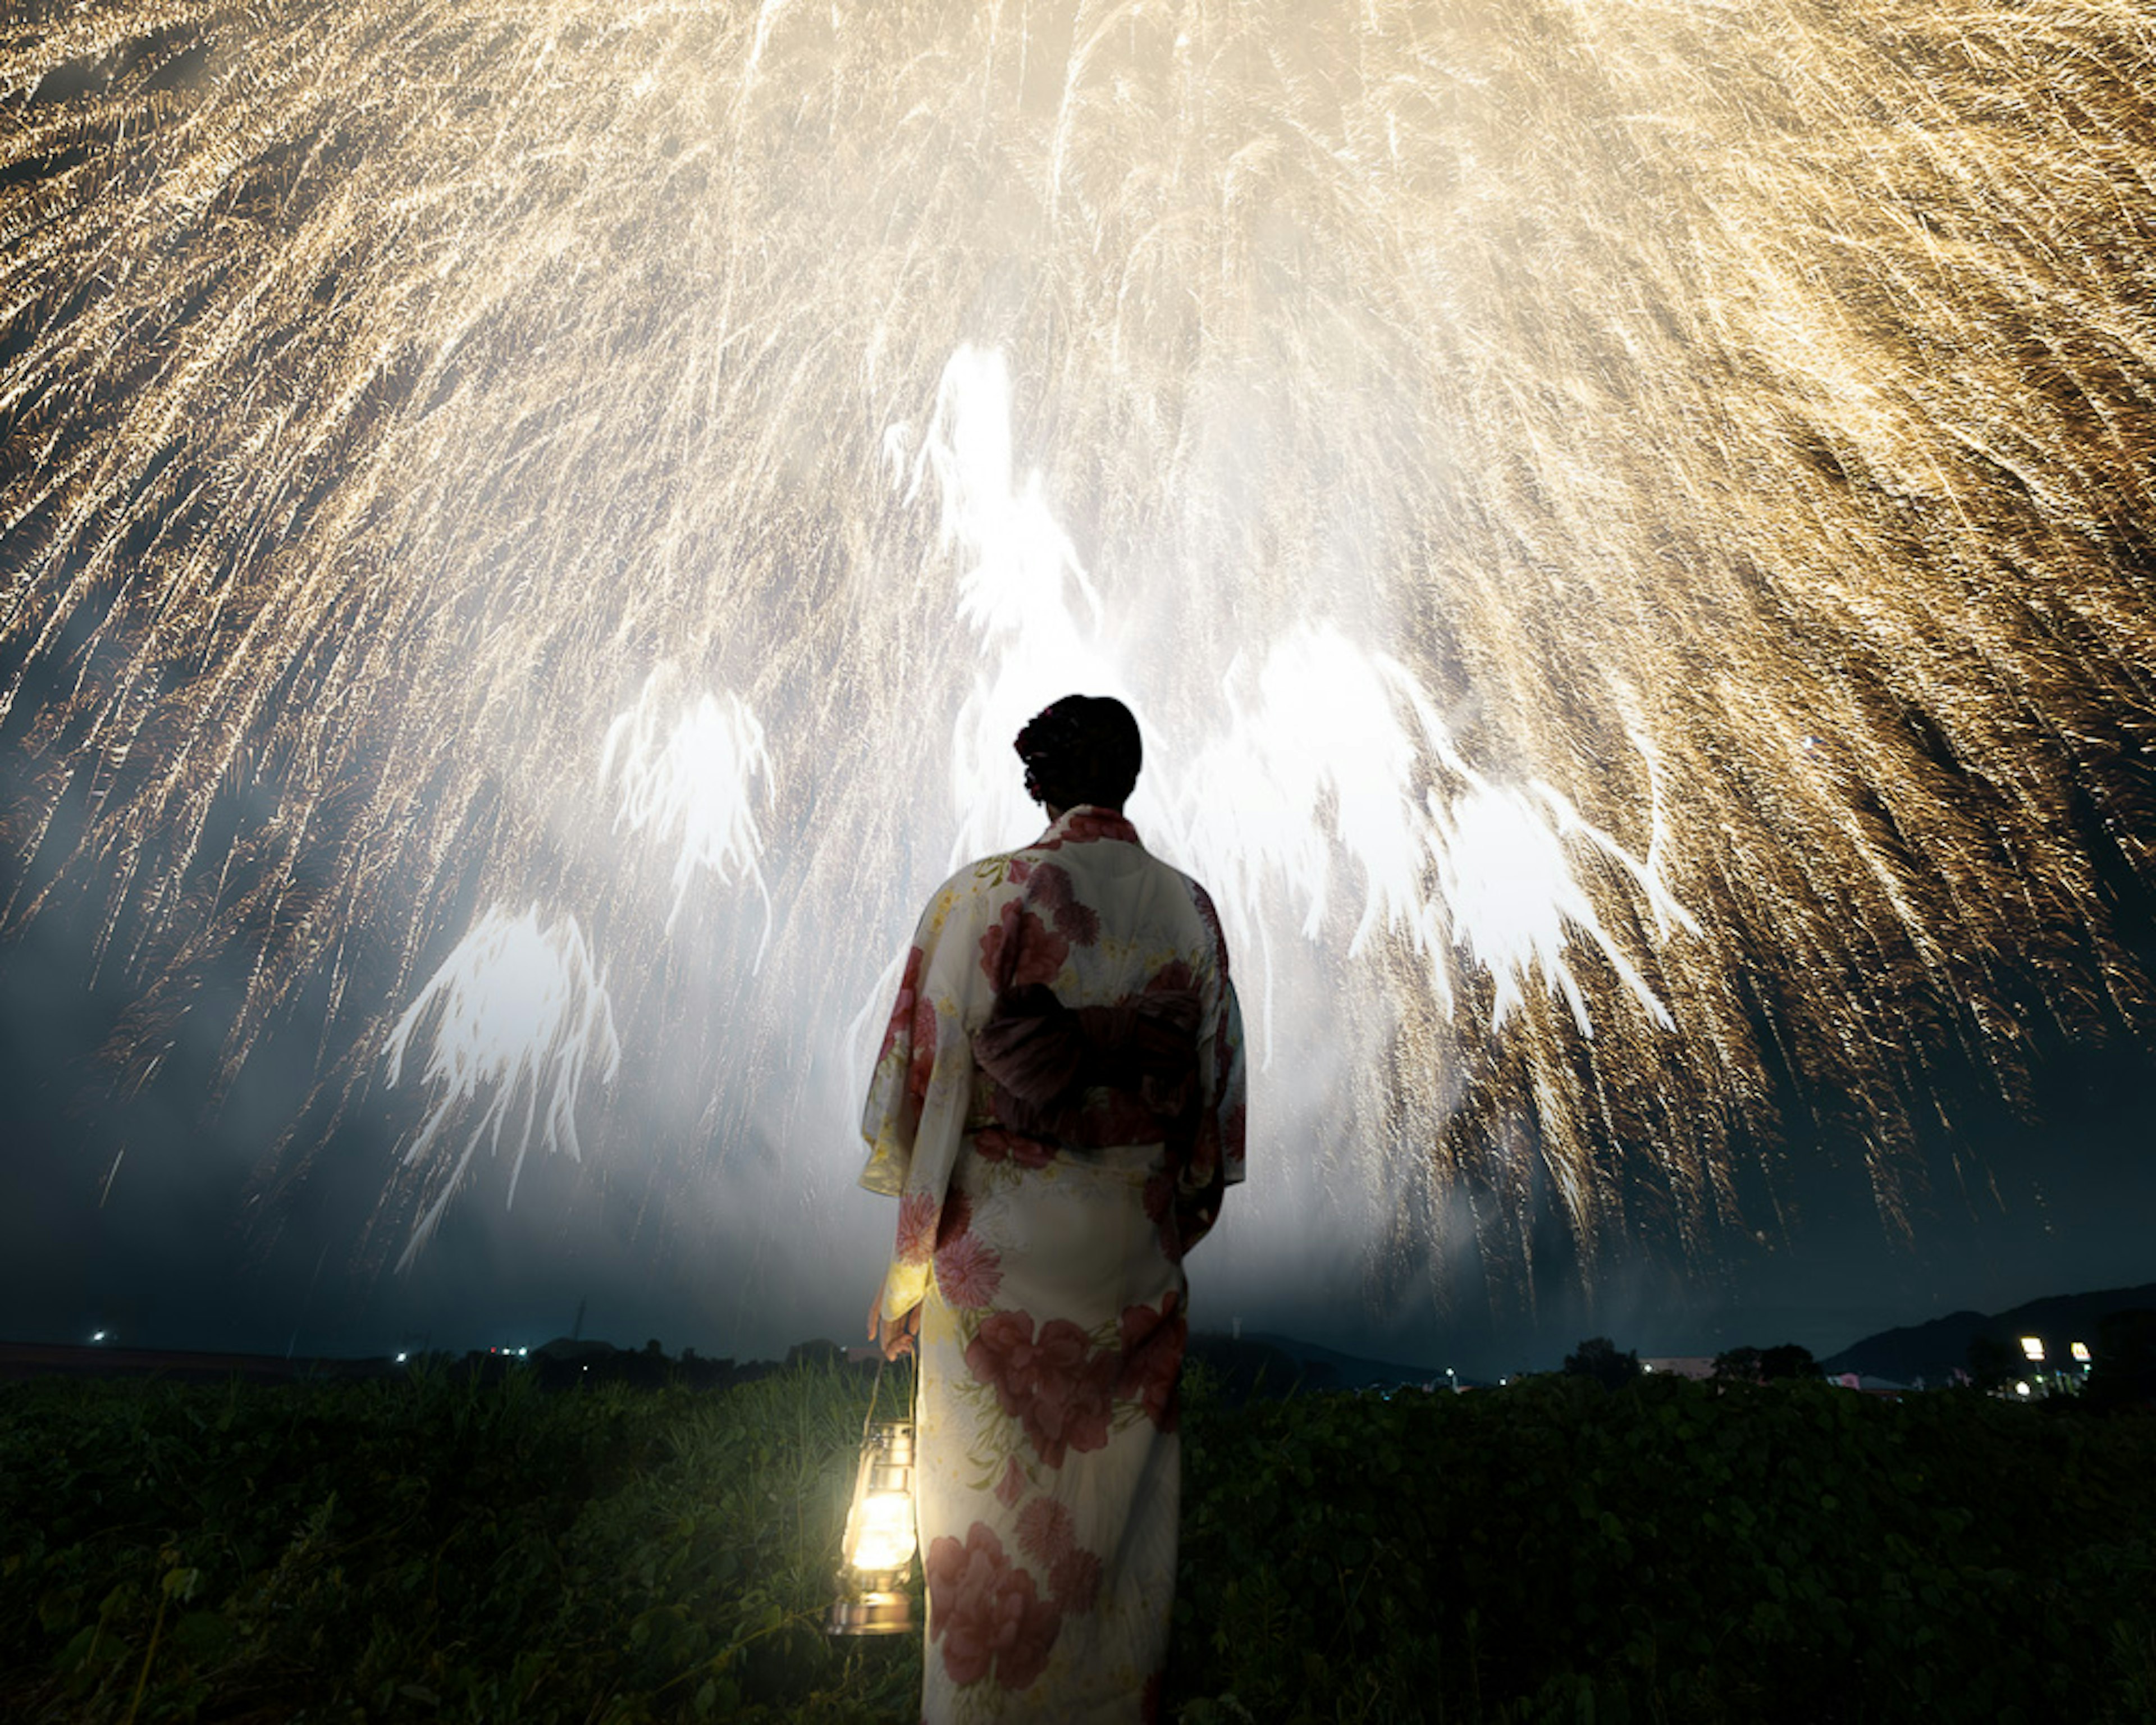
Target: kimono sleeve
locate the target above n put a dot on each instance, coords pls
(915, 1117)
(1216, 1155)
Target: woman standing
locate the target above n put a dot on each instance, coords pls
(1057, 1107)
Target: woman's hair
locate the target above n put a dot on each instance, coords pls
(1083, 748)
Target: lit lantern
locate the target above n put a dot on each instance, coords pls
(880, 1538)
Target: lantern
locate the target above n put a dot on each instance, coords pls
(880, 1538)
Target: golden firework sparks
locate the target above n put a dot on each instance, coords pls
(1627, 519)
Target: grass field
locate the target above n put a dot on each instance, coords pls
(449, 1549)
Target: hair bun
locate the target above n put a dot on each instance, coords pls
(1084, 748)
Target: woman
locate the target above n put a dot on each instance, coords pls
(1057, 1107)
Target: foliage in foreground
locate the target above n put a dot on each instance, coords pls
(1671, 1551)
(443, 1549)
(1554, 1550)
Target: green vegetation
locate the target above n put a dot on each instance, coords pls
(1555, 1550)
(1670, 1551)
(440, 1549)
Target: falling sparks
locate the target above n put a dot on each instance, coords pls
(1018, 574)
(1627, 529)
(694, 788)
(520, 1014)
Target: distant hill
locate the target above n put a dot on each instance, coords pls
(1352, 1370)
(1934, 1351)
(42, 1359)
(1272, 1364)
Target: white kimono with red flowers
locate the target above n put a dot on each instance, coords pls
(1047, 1260)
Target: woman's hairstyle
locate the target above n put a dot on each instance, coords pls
(1083, 748)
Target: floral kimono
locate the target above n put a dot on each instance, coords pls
(1057, 1107)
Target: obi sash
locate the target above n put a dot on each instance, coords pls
(1093, 1075)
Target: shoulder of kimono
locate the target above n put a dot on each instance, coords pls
(1202, 901)
(978, 881)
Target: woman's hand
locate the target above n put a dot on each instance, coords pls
(897, 1337)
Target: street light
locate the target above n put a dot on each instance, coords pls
(2034, 1353)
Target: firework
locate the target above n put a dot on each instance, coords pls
(519, 1011)
(694, 788)
(1627, 527)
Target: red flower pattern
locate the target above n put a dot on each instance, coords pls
(1211, 918)
(955, 1217)
(992, 1143)
(1020, 949)
(1074, 1401)
(1082, 826)
(1153, 1343)
(901, 1009)
(1074, 1581)
(988, 1611)
(1172, 977)
(921, 1063)
(916, 1227)
(1073, 918)
(1045, 1531)
(1000, 1354)
(913, 1018)
(968, 1271)
(1054, 1384)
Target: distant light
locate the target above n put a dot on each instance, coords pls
(400, 1359)
(2033, 1346)
(99, 1335)
(2080, 1352)
(1646, 1365)
(2021, 1389)
(522, 1351)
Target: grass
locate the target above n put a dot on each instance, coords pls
(449, 1549)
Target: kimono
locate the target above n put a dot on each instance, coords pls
(1058, 1107)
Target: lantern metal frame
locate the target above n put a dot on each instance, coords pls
(875, 1601)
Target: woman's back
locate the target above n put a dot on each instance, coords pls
(1057, 1107)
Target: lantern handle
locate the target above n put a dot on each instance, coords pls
(875, 1388)
(868, 1419)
